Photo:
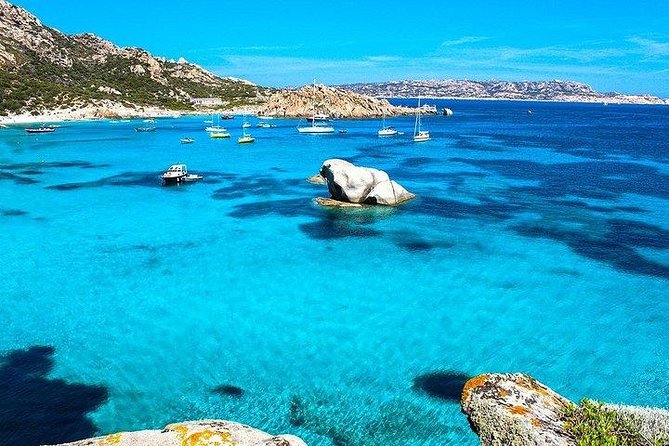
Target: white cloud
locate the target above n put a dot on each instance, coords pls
(651, 48)
(464, 40)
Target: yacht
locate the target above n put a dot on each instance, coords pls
(419, 135)
(219, 134)
(178, 173)
(387, 130)
(315, 128)
(246, 138)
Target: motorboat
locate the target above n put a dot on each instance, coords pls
(221, 134)
(145, 129)
(178, 173)
(42, 129)
(187, 140)
(227, 116)
(318, 117)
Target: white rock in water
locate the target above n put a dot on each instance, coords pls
(388, 193)
(353, 184)
(195, 433)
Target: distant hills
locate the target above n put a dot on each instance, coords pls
(41, 68)
(556, 90)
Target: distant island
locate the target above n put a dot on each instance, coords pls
(556, 90)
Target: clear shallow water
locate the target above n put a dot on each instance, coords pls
(539, 243)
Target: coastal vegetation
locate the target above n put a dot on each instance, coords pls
(42, 68)
(594, 424)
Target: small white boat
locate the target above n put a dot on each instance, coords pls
(246, 139)
(145, 129)
(223, 134)
(246, 125)
(177, 174)
(447, 112)
(264, 125)
(42, 129)
(315, 128)
(386, 130)
(318, 117)
(419, 135)
(215, 128)
(187, 140)
(150, 120)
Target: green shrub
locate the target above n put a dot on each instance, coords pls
(593, 424)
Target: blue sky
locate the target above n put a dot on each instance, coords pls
(612, 45)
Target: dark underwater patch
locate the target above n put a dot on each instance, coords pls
(286, 208)
(445, 385)
(258, 186)
(17, 179)
(335, 228)
(13, 212)
(37, 410)
(616, 247)
(228, 390)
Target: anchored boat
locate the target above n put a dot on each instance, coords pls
(177, 174)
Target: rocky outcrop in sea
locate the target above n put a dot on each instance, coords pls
(334, 102)
(517, 410)
(195, 433)
(352, 185)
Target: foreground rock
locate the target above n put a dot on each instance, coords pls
(352, 184)
(517, 410)
(195, 433)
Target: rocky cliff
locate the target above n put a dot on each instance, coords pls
(517, 410)
(40, 68)
(563, 91)
(195, 433)
(334, 102)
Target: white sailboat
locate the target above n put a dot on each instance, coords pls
(386, 130)
(246, 137)
(419, 135)
(215, 128)
(315, 128)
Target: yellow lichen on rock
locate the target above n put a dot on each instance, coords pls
(472, 384)
(180, 429)
(208, 438)
(110, 440)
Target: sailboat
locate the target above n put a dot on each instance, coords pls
(315, 128)
(246, 137)
(419, 135)
(215, 128)
(386, 130)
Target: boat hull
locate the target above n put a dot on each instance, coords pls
(315, 130)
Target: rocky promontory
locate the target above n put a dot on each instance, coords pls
(330, 101)
(517, 410)
(195, 433)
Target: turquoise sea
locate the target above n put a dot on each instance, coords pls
(538, 243)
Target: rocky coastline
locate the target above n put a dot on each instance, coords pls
(544, 91)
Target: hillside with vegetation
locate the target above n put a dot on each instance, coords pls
(42, 68)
